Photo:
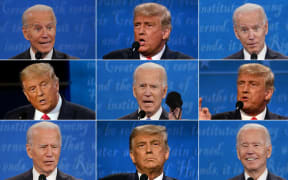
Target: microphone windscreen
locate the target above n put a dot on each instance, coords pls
(174, 100)
(135, 46)
(143, 177)
(42, 177)
(250, 178)
(239, 105)
(141, 114)
(254, 56)
(38, 55)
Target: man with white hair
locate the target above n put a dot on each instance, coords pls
(253, 149)
(39, 27)
(149, 88)
(250, 27)
(43, 146)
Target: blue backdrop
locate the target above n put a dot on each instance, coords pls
(75, 34)
(114, 87)
(216, 35)
(217, 149)
(113, 148)
(115, 25)
(218, 85)
(77, 155)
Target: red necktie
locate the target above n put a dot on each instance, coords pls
(254, 118)
(149, 58)
(45, 117)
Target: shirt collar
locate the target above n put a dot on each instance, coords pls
(51, 176)
(156, 56)
(47, 57)
(260, 116)
(260, 56)
(53, 115)
(155, 116)
(160, 177)
(263, 176)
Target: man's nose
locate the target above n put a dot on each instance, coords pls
(251, 34)
(39, 91)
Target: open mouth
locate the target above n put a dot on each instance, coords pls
(48, 163)
(244, 98)
(42, 101)
(148, 103)
(251, 159)
(141, 42)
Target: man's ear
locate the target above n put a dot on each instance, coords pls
(236, 32)
(26, 33)
(29, 150)
(132, 156)
(166, 33)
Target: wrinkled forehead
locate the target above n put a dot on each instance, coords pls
(255, 16)
(145, 72)
(40, 16)
(253, 135)
(42, 135)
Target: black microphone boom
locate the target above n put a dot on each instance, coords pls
(141, 114)
(135, 46)
(38, 55)
(143, 177)
(239, 105)
(254, 56)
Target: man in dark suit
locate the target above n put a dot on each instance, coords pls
(250, 27)
(41, 88)
(253, 149)
(149, 151)
(39, 27)
(255, 87)
(43, 147)
(152, 27)
(149, 88)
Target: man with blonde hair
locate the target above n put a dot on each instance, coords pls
(250, 25)
(152, 28)
(43, 146)
(149, 150)
(41, 88)
(254, 148)
(255, 87)
(39, 27)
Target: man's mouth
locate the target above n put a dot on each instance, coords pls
(141, 42)
(42, 101)
(148, 103)
(48, 163)
(251, 159)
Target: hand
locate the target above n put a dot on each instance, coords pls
(176, 114)
(204, 113)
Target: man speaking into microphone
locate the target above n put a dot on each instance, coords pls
(149, 88)
(149, 150)
(255, 87)
(39, 27)
(152, 28)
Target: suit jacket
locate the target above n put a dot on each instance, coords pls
(134, 115)
(129, 176)
(56, 55)
(68, 111)
(270, 54)
(269, 177)
(28, 175)
(235, 115)
(127, 54)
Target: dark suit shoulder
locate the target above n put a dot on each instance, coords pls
(24, 176)
(71, 110)
(132, 116)
(271, 54)
(239, 177)
(23, 55)
(22, 112)
(226, 116)
(272, 116)
(237, 55)
(274, 177)
(169, 54)
(121, 176)
(119, 54)
(64, 176)
(61, 55)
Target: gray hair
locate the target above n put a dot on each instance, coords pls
(258, 127)
(150, 66)
(150, 130)
(154, 9)
(42, 125)
(249, 7)
(37, 7)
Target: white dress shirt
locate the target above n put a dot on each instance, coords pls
(260, 56)
(47, 57)
(157, 178)
(53, 115)
(260, 116)
(263, 176)
(156, 56)
(155, 116)
(52, 176)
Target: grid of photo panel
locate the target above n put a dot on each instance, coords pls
(143, 90)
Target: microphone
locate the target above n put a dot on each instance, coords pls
(42, 177)
(141, 114)
(143, 177)
(133, 50)
(239, 105)
(250, 178)
(135, 46)
(38, 55)
(254, 56)
(174, 100)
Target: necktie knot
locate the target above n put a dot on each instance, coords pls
(149, 58)
(254, 118)
(45, 117)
